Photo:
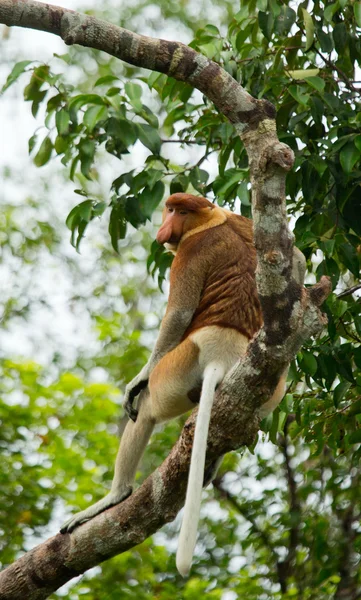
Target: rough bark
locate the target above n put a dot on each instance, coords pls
(291, 313)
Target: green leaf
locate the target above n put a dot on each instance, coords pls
(148, 116)
(340, 37)
(165, 262)
(308, 363)
(266, 21)
(325, 40)
(134, 92)
(155, 77)
(149, 137)
(303, 73)
(117, 225)
(44, 153)
(65, 57)
(349, 156)
(81, 99)
(355, 408)
(355, 437)
(154, 175)
(86, 155)
(32, 143)
(62, 120)
(224, 185)
(93, 115)
(310, 29)
(243, 194)
(349, 258)
(212, 29)
(326, 369)
(150, 198)
(55, 102)
(198, 178)
(17, 70)
(275, 425)
(284, 20)
(85, 210)
(74, 215)
(79, 217)
(340, 391)
(357, 142)
(357, 357)
(122, 130)
(330, 268)
(99, 208)
(297, 93)
(330, 11)
(357, 13)
(33, 92)
(61, 145)
(179, 183)
(316, 82)
(106, 79)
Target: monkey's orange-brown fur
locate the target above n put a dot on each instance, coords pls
(226, 258)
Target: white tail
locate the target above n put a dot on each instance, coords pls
(213, 374)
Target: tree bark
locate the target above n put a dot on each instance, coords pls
(291, 313)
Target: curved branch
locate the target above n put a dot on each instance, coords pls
(171, 58)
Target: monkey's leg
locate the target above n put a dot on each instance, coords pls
(132, 446)
(173, 381)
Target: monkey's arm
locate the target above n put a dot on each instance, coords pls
(174, 324)
(186, 283)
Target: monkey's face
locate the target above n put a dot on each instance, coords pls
(173, 226)
(182, 214)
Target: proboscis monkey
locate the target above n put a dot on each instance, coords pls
(213, 311)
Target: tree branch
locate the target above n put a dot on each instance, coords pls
(349, 291)
(285, 566)
(172, 58)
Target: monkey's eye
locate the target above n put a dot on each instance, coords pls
(183, 212)
(170, 209)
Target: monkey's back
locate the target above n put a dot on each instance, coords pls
(227, 257)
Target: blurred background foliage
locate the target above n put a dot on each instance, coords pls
(282, 521)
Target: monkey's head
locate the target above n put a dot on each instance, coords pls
(183, 213)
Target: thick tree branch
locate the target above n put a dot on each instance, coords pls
(291, 313)
(172, 58)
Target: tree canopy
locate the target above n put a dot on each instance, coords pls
(282, 518)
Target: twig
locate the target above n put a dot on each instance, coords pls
(284, 566)
(349, 291)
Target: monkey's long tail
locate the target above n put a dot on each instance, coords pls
(213, 374)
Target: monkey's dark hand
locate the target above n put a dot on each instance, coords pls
(132, 390)
(130, 410)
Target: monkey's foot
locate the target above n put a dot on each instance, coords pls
(108, 501)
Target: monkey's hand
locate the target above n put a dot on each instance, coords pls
(133, 389)
(108, 501)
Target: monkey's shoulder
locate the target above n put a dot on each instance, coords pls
(233, 236)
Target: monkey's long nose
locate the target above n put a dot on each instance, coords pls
(164, 233)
